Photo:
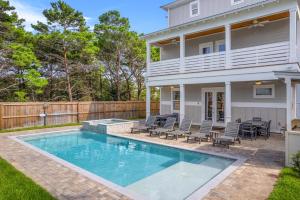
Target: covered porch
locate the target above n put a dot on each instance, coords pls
(221, 102)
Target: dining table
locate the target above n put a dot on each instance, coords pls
(256, 124)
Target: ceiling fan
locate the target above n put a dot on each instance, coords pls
(256, 23)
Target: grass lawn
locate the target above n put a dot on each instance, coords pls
(287, 186)
(16, 186)
(37, 127)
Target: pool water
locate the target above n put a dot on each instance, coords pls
(154, 171)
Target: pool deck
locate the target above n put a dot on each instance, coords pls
(253, 180)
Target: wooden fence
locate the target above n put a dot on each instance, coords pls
(15, 115)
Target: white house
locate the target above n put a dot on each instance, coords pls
(222, 60)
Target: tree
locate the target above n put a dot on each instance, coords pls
(112, 34)
(25, 66)
(66, 39)
(136, 61)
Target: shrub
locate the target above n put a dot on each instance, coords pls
(296, 162)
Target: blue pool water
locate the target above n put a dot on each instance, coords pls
(130, 163)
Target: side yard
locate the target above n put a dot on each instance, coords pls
(15, 185)
(287, 186)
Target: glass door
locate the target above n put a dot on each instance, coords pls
(220, 99)
(214, 105)
(209, 106)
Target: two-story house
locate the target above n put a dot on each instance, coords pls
(222, 60)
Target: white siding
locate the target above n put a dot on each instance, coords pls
(181, 14)
(244, 106)
(272, 33)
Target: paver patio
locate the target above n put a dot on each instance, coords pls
(253, 180)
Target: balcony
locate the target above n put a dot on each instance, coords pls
(257, 56)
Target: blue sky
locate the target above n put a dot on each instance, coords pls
(145, 15)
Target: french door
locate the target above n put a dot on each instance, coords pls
(213, 105)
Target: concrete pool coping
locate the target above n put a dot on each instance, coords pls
(198, 194)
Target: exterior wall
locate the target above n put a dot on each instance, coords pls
(181, 14)
(244, 105)
(292, 141)
(171, 51)
(273, 32)
(165, 102)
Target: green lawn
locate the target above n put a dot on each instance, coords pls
(16, 186)
(287, 186)
(37, 127)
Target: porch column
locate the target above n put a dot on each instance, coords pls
(227, 102)
(148, 101)
(288, 84)
(293, 35)
(228, 45)
(182, 52)
(182, 102)
(148, 59)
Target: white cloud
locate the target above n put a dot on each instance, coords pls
(29, 13)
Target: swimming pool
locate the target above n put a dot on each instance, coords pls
(150, 170)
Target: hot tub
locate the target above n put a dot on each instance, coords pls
(109, 126)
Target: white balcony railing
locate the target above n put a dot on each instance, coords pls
(165, 67)
(263, 55)
(208, 62)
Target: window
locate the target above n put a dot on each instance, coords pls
(206, 48)
(236, 2)
(194, 8)
(220, 46)
(264, 91)
(175, 100)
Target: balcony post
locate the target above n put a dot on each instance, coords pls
(293, 35)
(182, 52)
(288, 84)
(148, 101)
(182, 102)
(227, 101)
(148, 59)
(228, 45)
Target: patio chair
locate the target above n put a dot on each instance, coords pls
(204, 132)
(168, 126)
(239, 120)
(231, 135)
(264, 130)
(248, 130)
(184, 129)
(256, 119)
(146, 126)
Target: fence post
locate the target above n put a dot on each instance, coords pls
(1, 115)
(78, 119)
(45, 106)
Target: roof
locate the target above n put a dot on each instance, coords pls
(247, 6)
(174, 4)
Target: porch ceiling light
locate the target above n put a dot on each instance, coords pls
(258, 83)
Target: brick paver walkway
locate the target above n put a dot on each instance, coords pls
(253, 180)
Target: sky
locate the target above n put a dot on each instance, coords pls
(145, 16)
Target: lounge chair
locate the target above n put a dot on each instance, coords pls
(184, 129)
(230, 136)
(204, 133)
(168, 126)
(146, 126)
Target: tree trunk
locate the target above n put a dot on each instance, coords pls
(118, 77)
(67, 75)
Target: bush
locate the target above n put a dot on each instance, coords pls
(296, 162)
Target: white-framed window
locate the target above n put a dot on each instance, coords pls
(236, 2)
(206, 48)
(220, 46)
(194, 8)
(175, 92)
(263, 91)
